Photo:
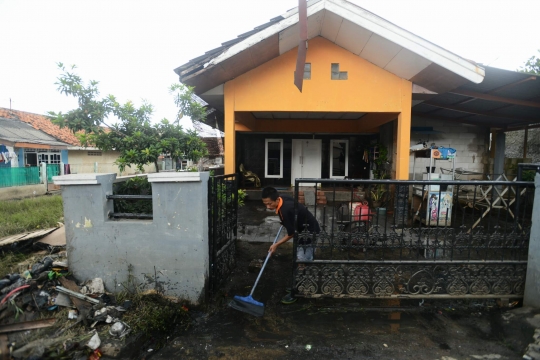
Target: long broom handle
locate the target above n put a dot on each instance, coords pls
(265, 261)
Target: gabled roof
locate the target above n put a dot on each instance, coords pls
(13, 131)
(43, 123)
(347, 25)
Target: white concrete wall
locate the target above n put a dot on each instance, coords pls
(81, 163)
(471, 143)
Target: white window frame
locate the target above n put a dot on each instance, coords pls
(266, 141)
(332, 158)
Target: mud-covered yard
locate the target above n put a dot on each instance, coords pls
(343, 329)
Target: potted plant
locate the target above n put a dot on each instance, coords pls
(377, 195)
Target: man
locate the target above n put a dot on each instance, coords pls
(284, 207)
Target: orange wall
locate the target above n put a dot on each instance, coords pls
(270, 87)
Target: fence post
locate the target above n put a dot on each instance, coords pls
(43, 174)
(532, 285)
(95, 167)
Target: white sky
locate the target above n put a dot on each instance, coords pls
(132, 46)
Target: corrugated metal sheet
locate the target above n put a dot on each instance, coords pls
(501, 114)
(17, 131)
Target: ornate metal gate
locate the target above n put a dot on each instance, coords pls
(222, 227)
(437, 239)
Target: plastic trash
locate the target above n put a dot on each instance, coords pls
(72, 314)
(41, 266)
(94, 342)
(94, 286)
(4, 283)
(119, 329)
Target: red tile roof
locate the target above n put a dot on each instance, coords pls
(41, 122)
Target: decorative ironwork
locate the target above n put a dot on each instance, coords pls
(477, 248)
(410, 280)
(222, 227)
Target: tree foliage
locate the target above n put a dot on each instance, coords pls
(138, 140)
(532, 66)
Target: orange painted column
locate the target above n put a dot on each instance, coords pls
(404, 132)
(230, 133)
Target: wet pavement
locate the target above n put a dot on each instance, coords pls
(343, 329)
(337, 328)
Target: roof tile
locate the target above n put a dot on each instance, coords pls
(43, 123)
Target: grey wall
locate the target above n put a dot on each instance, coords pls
(532, 284)
(169, 253)
(471, 143)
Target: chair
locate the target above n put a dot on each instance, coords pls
(249, 176)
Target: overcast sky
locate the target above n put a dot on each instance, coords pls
(131, 47)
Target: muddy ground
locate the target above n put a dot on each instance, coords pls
(341, 329)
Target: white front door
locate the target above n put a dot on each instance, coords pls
(306, 159)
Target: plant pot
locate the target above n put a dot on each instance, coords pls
(376, 204)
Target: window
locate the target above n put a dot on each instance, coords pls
(307, 71)
(35, 157)
(339, 158)
(94, 153)
(336, 74)
(273, 158)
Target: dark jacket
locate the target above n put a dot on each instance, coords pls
(286, 214)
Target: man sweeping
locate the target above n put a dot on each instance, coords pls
(284, 207)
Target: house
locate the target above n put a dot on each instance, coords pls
(21, 145)
(368, 85)
(80, 159)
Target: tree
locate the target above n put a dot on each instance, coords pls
(138, 140)
(532, 66)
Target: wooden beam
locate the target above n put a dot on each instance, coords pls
(502, 99)
(521, 127)
(481, 113)
(511, 85)
(458, 120)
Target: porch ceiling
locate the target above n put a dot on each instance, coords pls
(307, 115)
(505, 100)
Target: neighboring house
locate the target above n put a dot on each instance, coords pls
(80, 159)
(366, 82)
(21, 145)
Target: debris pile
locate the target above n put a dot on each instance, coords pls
(45, 314)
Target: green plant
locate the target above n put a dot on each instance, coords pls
(378, 193)
(152, 313)
(137, 185)
(528, 175)
(381, 161)
(138, 140)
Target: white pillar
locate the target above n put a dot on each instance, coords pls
(43, 173)
(61, 168)
(95, 167)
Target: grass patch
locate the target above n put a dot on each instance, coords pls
(10, 260)
(17, 216)
(152, 315)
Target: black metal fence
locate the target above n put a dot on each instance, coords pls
(222, 227)
(392, 239)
